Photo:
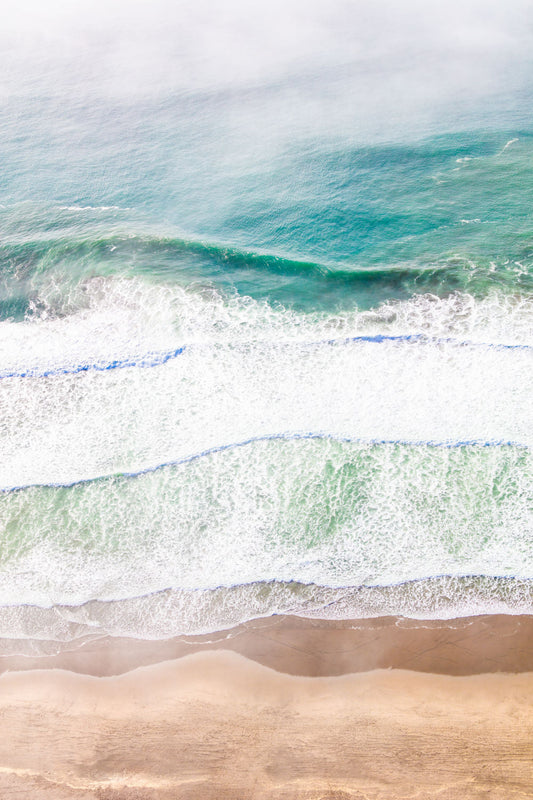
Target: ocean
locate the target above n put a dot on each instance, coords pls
(266, 315)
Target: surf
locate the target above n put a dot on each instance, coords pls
(182, 372)
(266, 310)
(306, 510)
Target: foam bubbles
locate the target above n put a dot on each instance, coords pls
(277, 511)
(32, 630)
(249, 370)
(313, 511)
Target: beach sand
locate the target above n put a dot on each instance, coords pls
(278, 708)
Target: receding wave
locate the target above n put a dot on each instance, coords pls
(36, 630)
(26, 264)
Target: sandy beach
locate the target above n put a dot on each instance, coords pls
(266, 356)
(277, 708)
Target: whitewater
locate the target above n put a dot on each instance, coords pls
(266, 324)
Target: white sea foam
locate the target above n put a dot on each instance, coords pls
(33, 630)
(320, 511)
(249, 370)
(508, 144)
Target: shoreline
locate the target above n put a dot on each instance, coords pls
(313, 647)
(203, 718)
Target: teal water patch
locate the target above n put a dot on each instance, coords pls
(456, 194)
(359, 225)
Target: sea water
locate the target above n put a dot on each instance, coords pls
(266, 315)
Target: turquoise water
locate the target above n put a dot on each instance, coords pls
(266, 321)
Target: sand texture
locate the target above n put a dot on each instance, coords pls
(216, 725)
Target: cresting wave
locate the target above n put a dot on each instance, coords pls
(29, 265)
(167, 252)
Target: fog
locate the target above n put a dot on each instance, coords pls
(138, 47)
(281, 70)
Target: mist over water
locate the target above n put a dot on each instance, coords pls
(266, 313)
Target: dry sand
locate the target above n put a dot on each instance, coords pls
(213, 723)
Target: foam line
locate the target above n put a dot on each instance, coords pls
(459, 576)
(421, 337)
(158, 359)
(154, 360)
(450, 445)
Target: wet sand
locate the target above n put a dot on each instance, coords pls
(221, 717)
(315, 647)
